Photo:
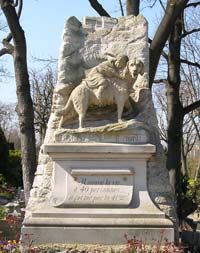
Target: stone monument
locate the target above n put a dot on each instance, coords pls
(101, 171)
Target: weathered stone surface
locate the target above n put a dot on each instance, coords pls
(39, 193)
(42, 181)
(95, 187)
(130, 132)
(83, 50)
(97, 236)
(103, 182)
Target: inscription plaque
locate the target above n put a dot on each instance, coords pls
(98, 187)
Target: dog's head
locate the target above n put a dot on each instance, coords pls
(136, 67)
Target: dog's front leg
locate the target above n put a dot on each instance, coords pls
(81, 117)
(120, 107)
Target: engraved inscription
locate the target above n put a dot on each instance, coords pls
(100, 190)
(106, 138)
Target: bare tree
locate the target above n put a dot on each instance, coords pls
(160, 103)
(42, 85)
(24, 101)
(190, 132)
(6, 116)
(9, 123)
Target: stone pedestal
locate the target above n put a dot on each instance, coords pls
(99, 194)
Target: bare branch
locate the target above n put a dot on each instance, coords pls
(160, 81)
(98, 8)
(191, 107)
(165, 55)
(196, 127)
(192, 5)
(8, 45)
(162, 5)
(4, 51)
(15, 4)
(194, 64)
(183, 22)
(50, 60)
(186, 33)
(121, 7)
(45, 63)
(152, 5)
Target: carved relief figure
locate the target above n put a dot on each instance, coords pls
(97, 77)
(111, 82)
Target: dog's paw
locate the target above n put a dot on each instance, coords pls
(120, 120)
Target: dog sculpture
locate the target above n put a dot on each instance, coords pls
(114, 91)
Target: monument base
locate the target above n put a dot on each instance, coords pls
(95, 235)
(97, 226)
(99, 195)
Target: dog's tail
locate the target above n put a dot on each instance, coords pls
(66, 113)
(66, 109)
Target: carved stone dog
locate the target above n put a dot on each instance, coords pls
(115, 91)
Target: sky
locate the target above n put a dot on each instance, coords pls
(43, 22)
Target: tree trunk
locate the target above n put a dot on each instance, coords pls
(99, 8)
(174, 113)
(174, 132)
(184, 169)
(26, 117)
(197, 169)
(198, 135)
(173, 10)
(24, 101)
(132, 7)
